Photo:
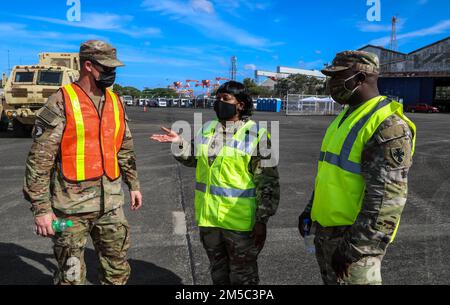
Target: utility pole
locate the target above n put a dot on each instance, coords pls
(394, 45)
(233, 70)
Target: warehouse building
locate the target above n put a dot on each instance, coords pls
(422, 76)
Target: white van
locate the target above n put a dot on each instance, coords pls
(127, 100)
(161, 102)
(184, 102)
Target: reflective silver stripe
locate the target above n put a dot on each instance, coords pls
(200, 187)
(343, 159)
(353, 134)
(205, 133)
(322, 156)
(246, 144)
(243, 146)
(205, 140)
(226, 192)
(345, 164)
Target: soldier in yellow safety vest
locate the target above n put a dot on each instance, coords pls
(361, 184)
(235, 193)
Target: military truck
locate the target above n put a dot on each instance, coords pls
(28, 88)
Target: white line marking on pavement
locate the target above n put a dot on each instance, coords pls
(179, 223)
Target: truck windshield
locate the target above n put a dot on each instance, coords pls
(24, 77)
(52, 78)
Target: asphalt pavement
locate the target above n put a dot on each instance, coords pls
(165, 244)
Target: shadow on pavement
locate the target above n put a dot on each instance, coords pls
(18, 266)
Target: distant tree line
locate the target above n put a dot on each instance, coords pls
(293, 84)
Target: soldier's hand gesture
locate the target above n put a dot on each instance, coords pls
(170, 136)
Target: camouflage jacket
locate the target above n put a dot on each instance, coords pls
(44, 186)
(386, 160)
(266, 178)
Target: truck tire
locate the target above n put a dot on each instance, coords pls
(3, 126)
(21, 130)
(3, 123)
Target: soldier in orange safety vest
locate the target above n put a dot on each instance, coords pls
(82, 150)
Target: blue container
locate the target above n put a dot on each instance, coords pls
(266, 104)
(278, 105)
(269, 104)
(258, 104)
(273, 105)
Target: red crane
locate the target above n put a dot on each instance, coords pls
(218, 79)
(206, 83)
(188, 81)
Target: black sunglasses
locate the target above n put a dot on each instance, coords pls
(104, 68)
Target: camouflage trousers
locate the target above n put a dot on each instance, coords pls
(366, 271)
(232, 256)
(110, 235)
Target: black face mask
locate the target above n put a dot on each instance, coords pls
(107, 79)
(224, 110)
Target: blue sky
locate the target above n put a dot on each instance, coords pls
(162, 41)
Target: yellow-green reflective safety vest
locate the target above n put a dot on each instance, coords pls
(225, 193)
(339, 188)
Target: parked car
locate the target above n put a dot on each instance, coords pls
(183, 102)
(161, 102)
(422, 108)
(152, 103)
(128, 100)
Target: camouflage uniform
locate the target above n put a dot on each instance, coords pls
(385, 163)
(232, 254)
(94, 206)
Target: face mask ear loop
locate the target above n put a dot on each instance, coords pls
(345, 83)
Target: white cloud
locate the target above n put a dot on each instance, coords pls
(210, 24)
(20, 31)
(250, 67)
(104, 22)
(439, 28)
(318, 51)
(152, 59)
(251, 5)
(372, 27)
(311, 65)
(376, 27)
(202, 6)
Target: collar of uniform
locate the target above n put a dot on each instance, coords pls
(232, 127)
(353, 108)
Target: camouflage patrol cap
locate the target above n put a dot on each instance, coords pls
(101, 52)
(359, 60)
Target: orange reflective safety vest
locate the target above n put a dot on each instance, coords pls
(90, 142)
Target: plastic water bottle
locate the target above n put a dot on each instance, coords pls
(60, 225)
(309, 237)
